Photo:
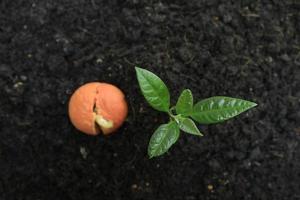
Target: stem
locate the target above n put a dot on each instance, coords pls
(170, 112)
(173, 108)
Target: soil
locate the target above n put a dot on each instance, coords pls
(238, 48)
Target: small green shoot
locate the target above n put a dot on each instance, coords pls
(208, 111)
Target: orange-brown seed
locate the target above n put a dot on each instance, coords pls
(97, 107)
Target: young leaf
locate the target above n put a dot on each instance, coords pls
(184, 105)
(163, 138)
(187, 125)
(217, 109)
(153, 89)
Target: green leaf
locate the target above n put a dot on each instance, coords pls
(163, 138)
(217, 109)
(153, 89)
(187, 125)
(184, 105)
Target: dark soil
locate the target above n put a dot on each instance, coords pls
(247, 49)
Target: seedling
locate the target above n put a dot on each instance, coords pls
(182, 116)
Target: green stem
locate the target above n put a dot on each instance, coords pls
(171, 115)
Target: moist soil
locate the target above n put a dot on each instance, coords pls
(244, 49)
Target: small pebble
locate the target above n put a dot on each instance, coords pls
(99, 60)
(23, 78)
(83, 152)
(210, 187)
(134, 186)
(18, 84)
